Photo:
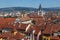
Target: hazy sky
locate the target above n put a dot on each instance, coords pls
(29, 3)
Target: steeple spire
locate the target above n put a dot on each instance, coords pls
(40, 11)
(40, 8)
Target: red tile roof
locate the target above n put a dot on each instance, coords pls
(47, 30)
(55, 37)
(25, 18)
(56, 27)
(19, 36)
(37, 29)
(33, 15)
(23, 26)
(7, 34)
(10, 20)
(51, 28)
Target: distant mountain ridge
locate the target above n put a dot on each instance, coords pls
(10, 9)
(52, 9)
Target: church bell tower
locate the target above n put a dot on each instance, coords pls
(40, 11)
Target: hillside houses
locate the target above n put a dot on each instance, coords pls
(32, 26)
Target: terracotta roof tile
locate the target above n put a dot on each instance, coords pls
(25, 18)
(10, 20)
(22, 26)
(7, 34)
(36, 28)
(33, 15)
(7, 26)
(56, 28)
(51, 28)
(18, 36)
(47, 30)
(54, 37)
